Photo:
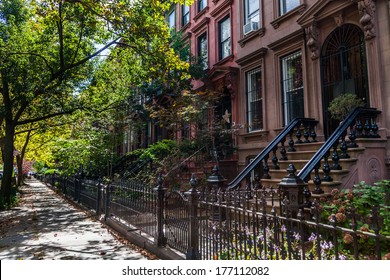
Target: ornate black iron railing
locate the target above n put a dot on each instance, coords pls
(361, 123)
(299, 127)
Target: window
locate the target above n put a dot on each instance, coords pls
(171, 19)
(201, 5)
(251, 10)
(202, 51)
(255, 100)
(224, 38)
(185, 14)
(287, 5)
(292, 86)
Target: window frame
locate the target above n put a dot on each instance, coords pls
(291, 83)
(247, 16)
(251, 91)
(201, 5)
(203, 57)
(283, 9)
(172, 12)
(222, 41)
(185, 14)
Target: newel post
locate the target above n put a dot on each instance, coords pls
(293, 188)
(161, 240)
(193, 226)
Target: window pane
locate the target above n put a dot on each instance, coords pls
(202, 51)
(171, 19)
(288, 5)
(255, 100)
(201, 5)
(185, 14)
(292, 85)
(224, 29)
(251, 10)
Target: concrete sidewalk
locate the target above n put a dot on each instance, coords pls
(45, 226)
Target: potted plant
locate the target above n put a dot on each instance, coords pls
(342, 105)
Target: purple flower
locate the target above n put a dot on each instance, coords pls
(312, 237)
(297, 236)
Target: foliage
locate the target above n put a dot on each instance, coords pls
(49, 51)
(358, 204)
(156, 151)
(51, 172)
(342, 105)
(14, 201)
(270, 246)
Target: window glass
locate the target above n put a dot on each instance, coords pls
(202, 51)
(292, 86)
(185, 14)
(255, 100)
(171, 19)
(288, 5)
(201, 5)
(224, 35)
(251, 10)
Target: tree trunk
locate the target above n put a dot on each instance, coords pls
(20, 159)
(19, 165)
(8, 160)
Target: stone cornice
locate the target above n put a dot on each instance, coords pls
(294, 36)
(204, 22)
(256, 55)
(258, 33)
(221, 7)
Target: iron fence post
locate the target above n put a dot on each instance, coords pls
(107, 192)
(193, 225)
(99, 189)
(161, 240)
(76, 187)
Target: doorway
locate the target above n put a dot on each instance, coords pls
(343, 69)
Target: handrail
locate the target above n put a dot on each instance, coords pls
(271, 146)
(185, 160)
(136, 166)
(330, 142)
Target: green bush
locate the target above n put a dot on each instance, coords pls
(51, 171)
(359, 203)
(156, 151)
(342, 105)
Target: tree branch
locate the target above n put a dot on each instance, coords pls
(35, 54)
(61, 37)
(27, 121)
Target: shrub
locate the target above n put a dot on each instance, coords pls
(342, 105)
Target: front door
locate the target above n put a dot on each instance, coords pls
(343, 69)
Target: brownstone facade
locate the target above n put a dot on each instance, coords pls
(280, 59)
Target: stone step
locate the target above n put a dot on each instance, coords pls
(335, 174)
(300, 163)
(327, 187)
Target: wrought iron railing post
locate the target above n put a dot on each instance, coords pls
(160, 240)
(293, 187)
(193, 226)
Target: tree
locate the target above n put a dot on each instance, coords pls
(48, 52)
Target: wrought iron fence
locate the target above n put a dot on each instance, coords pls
(256, 223)
(134, 203)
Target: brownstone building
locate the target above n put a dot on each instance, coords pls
(272, 61)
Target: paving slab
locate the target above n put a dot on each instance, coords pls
(45, 226)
